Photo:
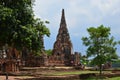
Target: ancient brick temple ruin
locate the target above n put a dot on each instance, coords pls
(29, 59)
(9, 60)
(62, 55)
(63, 50)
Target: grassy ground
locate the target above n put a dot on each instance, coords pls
(103, 78)
(60, 73)
(53, 72)
(114, 78)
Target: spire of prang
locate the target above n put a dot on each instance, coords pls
(63, 21)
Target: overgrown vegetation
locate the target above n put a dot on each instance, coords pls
(18, 27)
(48, 52)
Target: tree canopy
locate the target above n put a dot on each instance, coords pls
(100, 45)
(18, 27)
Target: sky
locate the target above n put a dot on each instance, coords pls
(80, 15)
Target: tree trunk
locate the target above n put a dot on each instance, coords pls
(100, 69)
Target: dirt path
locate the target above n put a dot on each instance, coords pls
(14, 77)
(9, 78)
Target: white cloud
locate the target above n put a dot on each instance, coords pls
(77, 11)
(106, 6)
(80, 14)
(78, 7)
(116, 11)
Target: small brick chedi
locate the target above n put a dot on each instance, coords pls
(9, 60)
(63, 50)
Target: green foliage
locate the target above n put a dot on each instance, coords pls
(18, 27)
(118, 42)
(100, 45)
(49, 52)
(98, 60)
(84, 60)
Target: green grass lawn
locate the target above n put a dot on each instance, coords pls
(114, 78)
(104, 78)
(61, 73)
(66, 72)
(96, 78)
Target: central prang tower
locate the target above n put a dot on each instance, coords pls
(63, 45)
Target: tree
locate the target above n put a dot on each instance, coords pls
(84, 60)
(49, 52)
(100, 45)
(18, 27)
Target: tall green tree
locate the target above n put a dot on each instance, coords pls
(100, 45)
(18, 27)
